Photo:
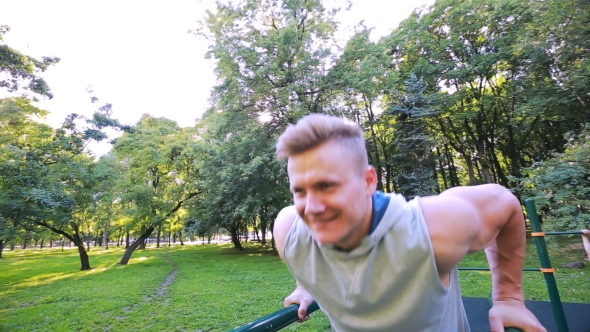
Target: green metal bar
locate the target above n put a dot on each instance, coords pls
(528, 269)
(564, 233)
(546, 264)
(277, 320)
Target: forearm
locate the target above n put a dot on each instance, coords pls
(506, 258)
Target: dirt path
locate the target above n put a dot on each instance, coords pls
(160, 292)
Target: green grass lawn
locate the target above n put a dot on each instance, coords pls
(215, 288)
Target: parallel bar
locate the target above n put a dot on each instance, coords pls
(564, 233)
(276, 320)
(530, 269)
(546, 264)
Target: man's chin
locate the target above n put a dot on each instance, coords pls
(325, 239)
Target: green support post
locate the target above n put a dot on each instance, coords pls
(277, 320)
(546, 264)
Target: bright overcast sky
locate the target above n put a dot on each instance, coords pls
(137, 54)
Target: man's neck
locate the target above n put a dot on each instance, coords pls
(357, 235)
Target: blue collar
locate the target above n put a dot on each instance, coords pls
(380, 204)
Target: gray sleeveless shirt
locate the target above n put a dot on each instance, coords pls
(388, 283)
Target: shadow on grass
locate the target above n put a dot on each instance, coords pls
(248, 249)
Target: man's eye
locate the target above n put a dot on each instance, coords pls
(325, 186)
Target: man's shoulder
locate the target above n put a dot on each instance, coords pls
(282, 226)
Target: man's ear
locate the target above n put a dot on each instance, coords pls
(370, 180)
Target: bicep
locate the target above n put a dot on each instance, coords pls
(282, 226)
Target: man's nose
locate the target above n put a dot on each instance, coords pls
(314, 204)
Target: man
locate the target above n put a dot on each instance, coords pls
(586, 242)
(375, 262)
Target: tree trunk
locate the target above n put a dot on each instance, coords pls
(97, 239)
(127, 240)
(158, 235)
(84, 260)
(180, 237)
(235, 239)
(470, 170)
(41, 246)
(1, 247)
(373, 140)
(143, 243)
(263, 224)
(105, 237)
(442, 169)
(483, 161)
(272, 239)
(136, 244)
(454, 179)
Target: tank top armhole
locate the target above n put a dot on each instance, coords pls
(422, 220)
(292, 233)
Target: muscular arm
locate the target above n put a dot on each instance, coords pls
(489, 217)
(468, 219)
(282, 226)
(506, 256)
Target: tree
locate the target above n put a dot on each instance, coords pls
(244, 184)
(162, 174)
(46, 175)
(19, 128)
(497, 90)
(358, 81)
(560, 185)
(22, 69)
(414, 158)
(271, 57)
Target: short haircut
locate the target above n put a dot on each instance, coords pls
(315, 129)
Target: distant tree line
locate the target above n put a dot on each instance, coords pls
(461, 93)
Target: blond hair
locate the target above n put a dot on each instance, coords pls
(315, 129)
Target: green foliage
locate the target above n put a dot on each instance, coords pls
(359, 80)
(244, 183)
(157, 167)
(23, 69)
(414, 158)
(270, 57)
(502, 106)
(561, 185)
(46, 177)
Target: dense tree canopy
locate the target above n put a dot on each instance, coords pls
(461, 93)
(19, 71)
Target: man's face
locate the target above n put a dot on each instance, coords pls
(332, 195)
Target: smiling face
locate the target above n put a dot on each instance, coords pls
(332, 193)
